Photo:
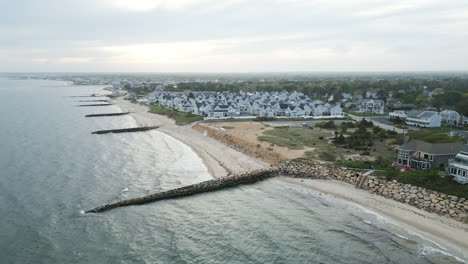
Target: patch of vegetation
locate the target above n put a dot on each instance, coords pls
(264, 118)
(327, 156)
(228, 127)
(380, 163)
(442, 129)
(364, 137)
(283, 142)
(181, 118)
(432, 137)
(291, 137)
(326, 125)
(428, 179)
(365, 114)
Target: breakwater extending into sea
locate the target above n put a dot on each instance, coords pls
(428, 200)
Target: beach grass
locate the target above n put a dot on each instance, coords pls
(433, 137)
(293, 137)
(181, 118)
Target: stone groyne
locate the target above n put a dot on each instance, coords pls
(206, 186)
(108, 114)
(90, 101)
(85, 105)
(125, 130)
(447, 205)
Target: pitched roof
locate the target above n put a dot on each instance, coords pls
(414, 113)
(433, 148)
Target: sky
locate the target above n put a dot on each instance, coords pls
(233, 35)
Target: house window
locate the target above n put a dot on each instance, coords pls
(431, 157)
(464, 173)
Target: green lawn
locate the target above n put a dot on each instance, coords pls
(365, 114)
(294, 137)
(181, 118)
(298, 138)
(442, 129)
(428, 179)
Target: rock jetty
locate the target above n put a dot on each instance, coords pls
(447, 205)
(108, 114)
(125, 130)
(89, 105)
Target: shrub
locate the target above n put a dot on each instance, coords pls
(327, 156)
(327, 125)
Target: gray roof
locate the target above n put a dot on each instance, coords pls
(464, 150)
(427, 114)
(414, 113)
(433, 148)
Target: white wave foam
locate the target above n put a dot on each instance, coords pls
(82, 212)
(427, 250)
(400, 236)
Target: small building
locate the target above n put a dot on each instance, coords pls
(398, 114)
(420, 155)
(458, 166)
(423, 118)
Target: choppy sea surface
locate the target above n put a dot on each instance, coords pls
(51, 167)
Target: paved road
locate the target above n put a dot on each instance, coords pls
(378, 122)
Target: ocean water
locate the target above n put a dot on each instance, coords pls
(51, 167)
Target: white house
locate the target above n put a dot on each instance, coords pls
(450, 117)
(336, 111)
(458, 167)
(371, 106)
(423, 118)
(398, 114)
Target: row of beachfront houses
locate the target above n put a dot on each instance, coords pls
(222, 105)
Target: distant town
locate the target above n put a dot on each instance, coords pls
(429, 111)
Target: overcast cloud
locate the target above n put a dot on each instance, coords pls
(233, 35)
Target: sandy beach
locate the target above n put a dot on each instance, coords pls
(221, 160)
(218, 158)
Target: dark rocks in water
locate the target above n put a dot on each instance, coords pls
(125, 130)
(108, 114)
(94, 105)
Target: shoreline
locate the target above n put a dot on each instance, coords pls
(446, 232)
(221, 160)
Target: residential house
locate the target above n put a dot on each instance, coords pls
(417, 154)
(423, 118)
(450, 117)
(397, 114)
(371, 106)
(458, 166)
(371, 94)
